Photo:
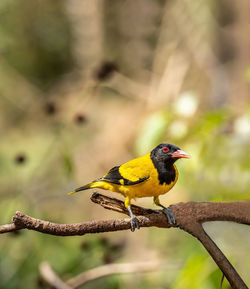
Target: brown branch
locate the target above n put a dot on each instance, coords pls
(184, 213)
(189, 217)
(23, 221)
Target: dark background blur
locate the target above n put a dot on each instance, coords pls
(87, 85)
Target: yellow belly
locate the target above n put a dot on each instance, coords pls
(149, 188)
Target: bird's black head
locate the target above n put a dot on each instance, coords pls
(167, 153)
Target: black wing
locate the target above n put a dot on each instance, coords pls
(114, 177)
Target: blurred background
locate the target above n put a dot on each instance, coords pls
(87, 85)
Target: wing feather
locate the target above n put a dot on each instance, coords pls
(114, 176)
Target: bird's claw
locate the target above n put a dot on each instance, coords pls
(134, 224)
(169, 214)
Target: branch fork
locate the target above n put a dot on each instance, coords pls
(189, 217)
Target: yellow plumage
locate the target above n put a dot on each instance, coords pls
(148, 176)
(134, 170)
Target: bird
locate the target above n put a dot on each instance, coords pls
(151, 175)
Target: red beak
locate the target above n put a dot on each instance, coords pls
(180, 154)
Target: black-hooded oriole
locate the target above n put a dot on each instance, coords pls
(149, 176)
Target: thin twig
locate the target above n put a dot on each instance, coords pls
(221, 281)
(51, 277)
(111, 269)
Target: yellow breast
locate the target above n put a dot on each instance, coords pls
(135, 170)
(140, 168)
(149, 188)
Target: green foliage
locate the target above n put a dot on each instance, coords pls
(37, 40)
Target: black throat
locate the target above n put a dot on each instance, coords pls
(165, 169)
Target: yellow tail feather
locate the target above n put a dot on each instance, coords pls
(73, 192)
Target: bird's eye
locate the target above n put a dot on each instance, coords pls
(165, 149)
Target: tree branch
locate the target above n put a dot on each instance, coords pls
(189, 217)
(201, 212)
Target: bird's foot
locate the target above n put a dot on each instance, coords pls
(169, 214)
(134, 223)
